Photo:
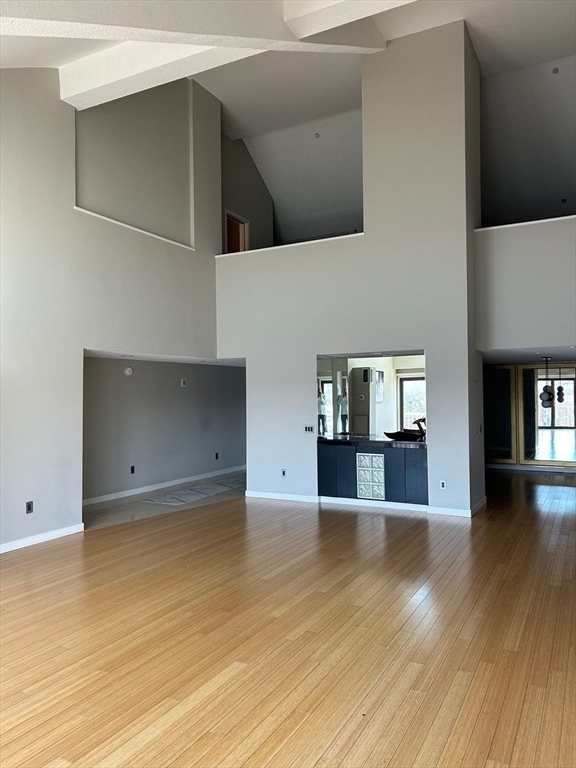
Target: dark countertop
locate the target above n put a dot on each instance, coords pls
(380, 442)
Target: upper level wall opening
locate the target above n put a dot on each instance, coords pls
(528, 138)
(291, 167)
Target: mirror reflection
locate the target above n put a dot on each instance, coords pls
(381, 395)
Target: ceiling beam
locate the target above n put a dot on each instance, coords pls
(132, 67)
(163, 40)
(311, 17)
(250, 24)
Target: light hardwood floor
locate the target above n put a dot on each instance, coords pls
(257, 633)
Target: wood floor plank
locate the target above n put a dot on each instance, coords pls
(257, 633)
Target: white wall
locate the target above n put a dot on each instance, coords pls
(415, 247)
(71, 281)
(148, 420)
(526, 285)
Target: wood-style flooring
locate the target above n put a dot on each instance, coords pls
(257, 633)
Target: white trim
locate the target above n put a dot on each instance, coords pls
(39, 538)
(159, 486)
(291, 245)
(134, 229)
(402, 506)
(280, 496)
(525, 223)
(369, 503)
(373, 503)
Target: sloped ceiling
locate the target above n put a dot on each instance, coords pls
(314, 173)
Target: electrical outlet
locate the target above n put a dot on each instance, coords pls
(183, 383)
(216, 455)
(309, 428)
(283, 471)
(443, 484)
(132, 469)
(29, 507)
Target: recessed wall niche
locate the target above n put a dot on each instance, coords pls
(133, 160)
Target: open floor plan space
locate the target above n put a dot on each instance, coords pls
(258, 633)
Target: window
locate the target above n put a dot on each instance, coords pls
(412, 400)
(561, 414)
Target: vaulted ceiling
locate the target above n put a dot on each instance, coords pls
(288, 74)
(285, 70)
(109, 48)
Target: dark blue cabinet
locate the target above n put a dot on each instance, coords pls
(405, 470)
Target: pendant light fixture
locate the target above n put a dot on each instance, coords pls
(547, 394)
(560, 390)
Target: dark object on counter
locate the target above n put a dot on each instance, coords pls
(410, 435)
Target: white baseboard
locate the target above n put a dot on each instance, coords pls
(369, 503)
(280, 496)
(404, 506)
(40, 538)
(372, 503)
(159, 486)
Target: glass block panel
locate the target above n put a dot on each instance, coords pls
(377, 461)
(377, 491)
(364, 476)
(364, 491)
(363, 460)
(378, 476)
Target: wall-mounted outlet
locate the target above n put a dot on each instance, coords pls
(443, 485)
(183, 383)
(132, 469)
(29, 507)
(283, 472)
(216, 455)
(309, 428)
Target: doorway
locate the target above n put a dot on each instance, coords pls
(548, 432)
(237, 233)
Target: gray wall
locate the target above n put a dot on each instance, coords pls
(245, 193)
(133, 160)
(148, 420)
(473, 217)
(529, 143)
(71, 282)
